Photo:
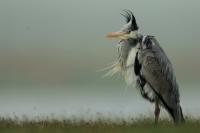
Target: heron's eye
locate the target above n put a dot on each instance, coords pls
(128, 31)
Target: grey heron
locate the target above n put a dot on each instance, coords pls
(142, 57)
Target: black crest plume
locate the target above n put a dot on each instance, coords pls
(130, 19)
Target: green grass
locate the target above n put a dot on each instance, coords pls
(145, 125)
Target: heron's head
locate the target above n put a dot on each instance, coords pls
(129, 30)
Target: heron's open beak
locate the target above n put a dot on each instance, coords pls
(118, 34)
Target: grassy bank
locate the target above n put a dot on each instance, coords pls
(55, 126)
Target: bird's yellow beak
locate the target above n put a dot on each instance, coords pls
(118, 34)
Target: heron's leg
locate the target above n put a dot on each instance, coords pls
(157, 111)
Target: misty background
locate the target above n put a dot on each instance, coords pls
(51, 51)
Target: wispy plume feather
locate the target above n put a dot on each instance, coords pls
(122, 65)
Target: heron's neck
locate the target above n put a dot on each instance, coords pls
(126, 56)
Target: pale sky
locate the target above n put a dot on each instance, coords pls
(58, 22)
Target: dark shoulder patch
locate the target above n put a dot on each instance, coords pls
(137, 65)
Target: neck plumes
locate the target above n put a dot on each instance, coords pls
(125, 60)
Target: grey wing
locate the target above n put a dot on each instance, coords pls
(158, 72)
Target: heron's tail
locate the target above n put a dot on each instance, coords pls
(177, 115)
